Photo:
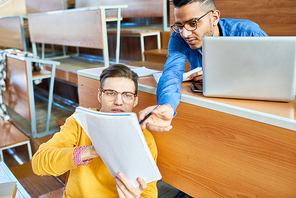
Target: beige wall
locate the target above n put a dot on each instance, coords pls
(12, 7)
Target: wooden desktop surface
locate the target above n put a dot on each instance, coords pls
(219, 147)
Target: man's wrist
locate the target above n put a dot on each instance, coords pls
(77, 156)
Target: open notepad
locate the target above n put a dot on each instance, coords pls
(120, 142)
(143, 71)
(186, 75)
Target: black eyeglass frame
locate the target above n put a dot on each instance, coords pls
(176, 28)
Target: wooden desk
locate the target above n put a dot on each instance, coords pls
(19, 94)
(219, 147)
(7, 176)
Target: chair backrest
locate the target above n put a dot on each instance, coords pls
(12, 33)
(136, 8)
(38, 6)
(67, 27)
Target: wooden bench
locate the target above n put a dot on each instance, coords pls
(84, 27)
(141, 34)
(136, 8)
(19, 94)
(12, 31)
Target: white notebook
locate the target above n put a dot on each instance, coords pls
(186, 75)
(120, 143)
(143, 71)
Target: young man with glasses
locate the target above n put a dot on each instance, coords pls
(194, 20)
(70, 150)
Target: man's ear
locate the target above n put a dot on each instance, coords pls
(136, 101)
(216, 17)
(99, 96)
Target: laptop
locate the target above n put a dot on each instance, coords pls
(258, 68)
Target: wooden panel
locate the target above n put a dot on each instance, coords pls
(275, 17)
(82, 28)
(11, 33)
(35, 143)
(278, 14)
(214, 154)
(88, 92)
(37, 6)
(148, 64)
(135, 32)
(16, 95)
(165, 37)
(172, 16)
(66, 75)
(136, 8)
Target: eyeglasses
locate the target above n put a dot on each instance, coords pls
(190, 25)
(111, 95)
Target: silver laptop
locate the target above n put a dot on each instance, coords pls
(259, 68)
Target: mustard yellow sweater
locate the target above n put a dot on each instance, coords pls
(55, 157)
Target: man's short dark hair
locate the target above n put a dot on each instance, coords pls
(119, 70)
(206, 5)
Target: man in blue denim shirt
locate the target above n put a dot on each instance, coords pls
(194, 20)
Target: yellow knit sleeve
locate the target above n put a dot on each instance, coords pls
(55, 157)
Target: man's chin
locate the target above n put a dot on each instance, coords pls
(195, 47)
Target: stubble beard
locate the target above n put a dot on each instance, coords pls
(199, 46)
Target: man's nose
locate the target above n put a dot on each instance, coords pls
(118, 100)
(185, 33)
